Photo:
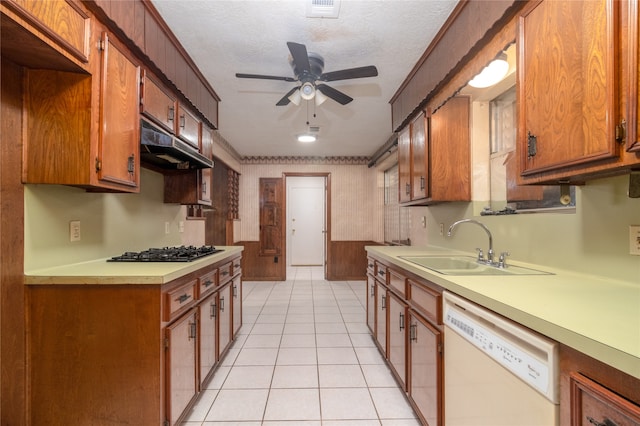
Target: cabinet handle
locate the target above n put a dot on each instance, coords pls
(532, 145)
(222, 304)
(192, 330)
(204, 187)
(183, 297)
(401, 321)
(413, 332)
(182, 121)
(384, 302)
(422, 183)
(224, 273)
(171, 113)
(407, 189)
(131, 166)
(373, 291)
(235, 291)
(605, 422)
(212, 310)
(207, 283)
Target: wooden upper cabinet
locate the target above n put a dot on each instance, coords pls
(633, 56)
(404, 164)
(64, 22)
(118, 160)
(450, 151)
(566, 86)
(420, 158)
(157, 103)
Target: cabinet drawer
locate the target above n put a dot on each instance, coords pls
(381, 272)
(236, 267)
(225, 273)
(179, 299)
(207, 282)
(371, 266)
(157, 104)
(593, 404)
(397, 282)
(188, 127)
(426, 301)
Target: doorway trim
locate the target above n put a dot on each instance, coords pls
(327, 212)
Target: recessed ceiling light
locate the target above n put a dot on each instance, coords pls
(306, 138)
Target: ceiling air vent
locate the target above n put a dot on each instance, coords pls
(314, 129)
(323, 8)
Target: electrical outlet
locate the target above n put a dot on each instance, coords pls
(442, 229)
(423, 220)
(74, 230)
(167, 227)
(181, 226)
(634, 240)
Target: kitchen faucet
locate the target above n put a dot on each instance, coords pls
(489, 259)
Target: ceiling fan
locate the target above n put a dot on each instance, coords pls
(308, 70)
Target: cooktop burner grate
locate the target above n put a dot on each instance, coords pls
(166, 254)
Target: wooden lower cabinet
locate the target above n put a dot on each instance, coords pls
(207, 333)
(236, 313)
(138, 354)
(371, 303)
(408, 332)
(181, 367)
(397, 354)
(425, 367)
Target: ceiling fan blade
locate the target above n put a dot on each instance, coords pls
(285, 100)
(300, 57)
(360, 72)
(334, 94)
(265, 77)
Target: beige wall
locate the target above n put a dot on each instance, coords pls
(355, 199)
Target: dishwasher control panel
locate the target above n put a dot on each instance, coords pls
(528, 355)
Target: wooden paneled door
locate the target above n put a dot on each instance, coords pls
(271, 208)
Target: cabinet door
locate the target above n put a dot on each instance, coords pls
(420, 159)
(225, 302)
(236, 313)
(188, 126)
(450, 151)
(633, 56)
(119, 134)
(206, 182)
(398, 337)
(425, 369)
(404, 164)
(181, 370)
(371, 303)
(207, 311)
(566, 85)
(158, 104)
(381, 317)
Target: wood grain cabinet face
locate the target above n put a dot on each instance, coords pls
(381, 317)
(187, 126)
(420, 159)
(425, 366)
(181, 367)
(207, 312)
(225, 307)
(404, 164)
(236, 312)
(119, 136)
(566, 86)
(398, 327)
(371, 303)
(633, 56)
(594, 405)
(157, 103)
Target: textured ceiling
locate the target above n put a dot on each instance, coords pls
(225, 37)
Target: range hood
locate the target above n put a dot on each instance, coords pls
(162, 150)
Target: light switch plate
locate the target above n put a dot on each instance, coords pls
(634, 240)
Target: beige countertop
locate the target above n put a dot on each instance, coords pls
(102, 272)
(595, 315)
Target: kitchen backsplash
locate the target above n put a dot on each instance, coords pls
(593, 240)
(109, 223)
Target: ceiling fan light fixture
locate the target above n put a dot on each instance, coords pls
(492, 73)
(320, 97)
(307, 138)
(295, 98)
(307, 91)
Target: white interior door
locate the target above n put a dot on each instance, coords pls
(306, 220)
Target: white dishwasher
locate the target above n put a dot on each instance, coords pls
(496, 372)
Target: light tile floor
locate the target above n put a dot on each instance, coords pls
(304, 356)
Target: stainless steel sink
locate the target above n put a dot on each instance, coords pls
(467, 265)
